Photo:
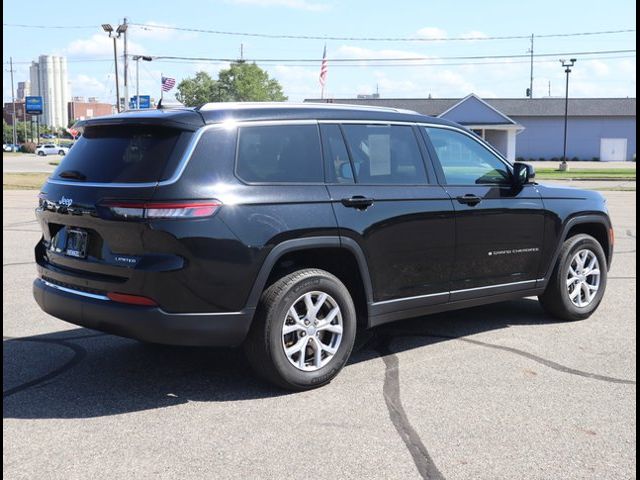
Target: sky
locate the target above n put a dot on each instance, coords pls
(436, 23)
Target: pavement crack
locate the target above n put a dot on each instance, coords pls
(398, 416)
(16, 263)
(79, 354)
(547, 363)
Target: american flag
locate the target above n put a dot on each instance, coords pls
(168, 83)
(324, 68)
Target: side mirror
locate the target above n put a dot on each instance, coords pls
(523, 173)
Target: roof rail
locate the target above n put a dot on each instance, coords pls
(330, 106)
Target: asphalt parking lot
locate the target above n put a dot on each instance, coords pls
(498, 392)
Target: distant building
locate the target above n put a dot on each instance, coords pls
(24, 90)
(7, 112)
(49, 80)
(79, 109)
(532, 129)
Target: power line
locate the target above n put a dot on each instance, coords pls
(22, 25)
(467, 38)
(448, 64)
(389, 62)
(394, 59)
(145, 26)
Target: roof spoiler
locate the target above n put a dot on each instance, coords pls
(167, 105)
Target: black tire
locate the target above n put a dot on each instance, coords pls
(41, 154)
(263, 346)
(61, 153)
(555, 299)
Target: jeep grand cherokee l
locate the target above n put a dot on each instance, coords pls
(286, 227)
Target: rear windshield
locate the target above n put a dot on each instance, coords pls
(122, 154)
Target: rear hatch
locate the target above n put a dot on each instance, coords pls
(92, 211)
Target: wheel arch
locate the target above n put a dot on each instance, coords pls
(596, 225)
(340, 256)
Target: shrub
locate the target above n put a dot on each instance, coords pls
(542, 159)
(519, 159)
(555, 159)
(575, 159)
(28, 147)
(595, 159)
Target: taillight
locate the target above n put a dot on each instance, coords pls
(131, 299)
(161, 210)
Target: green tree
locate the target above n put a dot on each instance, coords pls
(7, 132)
(247, 82)
(196, 91)
(241, 82)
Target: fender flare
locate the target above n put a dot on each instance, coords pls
(305, 244)
(600, 218)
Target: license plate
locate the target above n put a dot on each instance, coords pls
(76, 243)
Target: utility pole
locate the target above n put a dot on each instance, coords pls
(13, 102)
(531, 70)
(241, 52)
(563, 166)
(126, 67)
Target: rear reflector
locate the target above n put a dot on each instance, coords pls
(157, 210)
(612, 236)
(131, 299)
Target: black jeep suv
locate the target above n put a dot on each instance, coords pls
(285, 227)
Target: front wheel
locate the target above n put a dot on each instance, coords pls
(41, 154)
(578, 281)
(61, 153)
(304, 330)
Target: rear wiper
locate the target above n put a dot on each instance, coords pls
(74, 174)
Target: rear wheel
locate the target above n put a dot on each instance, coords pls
(61, 153)
(578, 281)
(41, 153)
(304, 330)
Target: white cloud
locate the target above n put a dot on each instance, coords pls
(294, 4)
(99, 45)
(474, 35)
(432, 33)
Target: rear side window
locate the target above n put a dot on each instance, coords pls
(279, 154)
(385, 154)
(121, 154)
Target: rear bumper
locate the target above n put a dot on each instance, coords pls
(150, 324)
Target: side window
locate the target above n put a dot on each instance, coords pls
(465, 161)
(336, 157)
(279, 153)
(385, 154)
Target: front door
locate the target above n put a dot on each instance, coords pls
(499, 227)
(383, 200)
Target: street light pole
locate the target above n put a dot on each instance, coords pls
(563, 165)
(115, 35)
(13, 106)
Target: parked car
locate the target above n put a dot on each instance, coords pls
(47, 135)
(51, 149)
(285, 228)
(9, 147)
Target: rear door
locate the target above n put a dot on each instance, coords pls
(499, 228)
(389, 204)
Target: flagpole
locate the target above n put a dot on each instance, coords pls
(161, 90)
(322, 92)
